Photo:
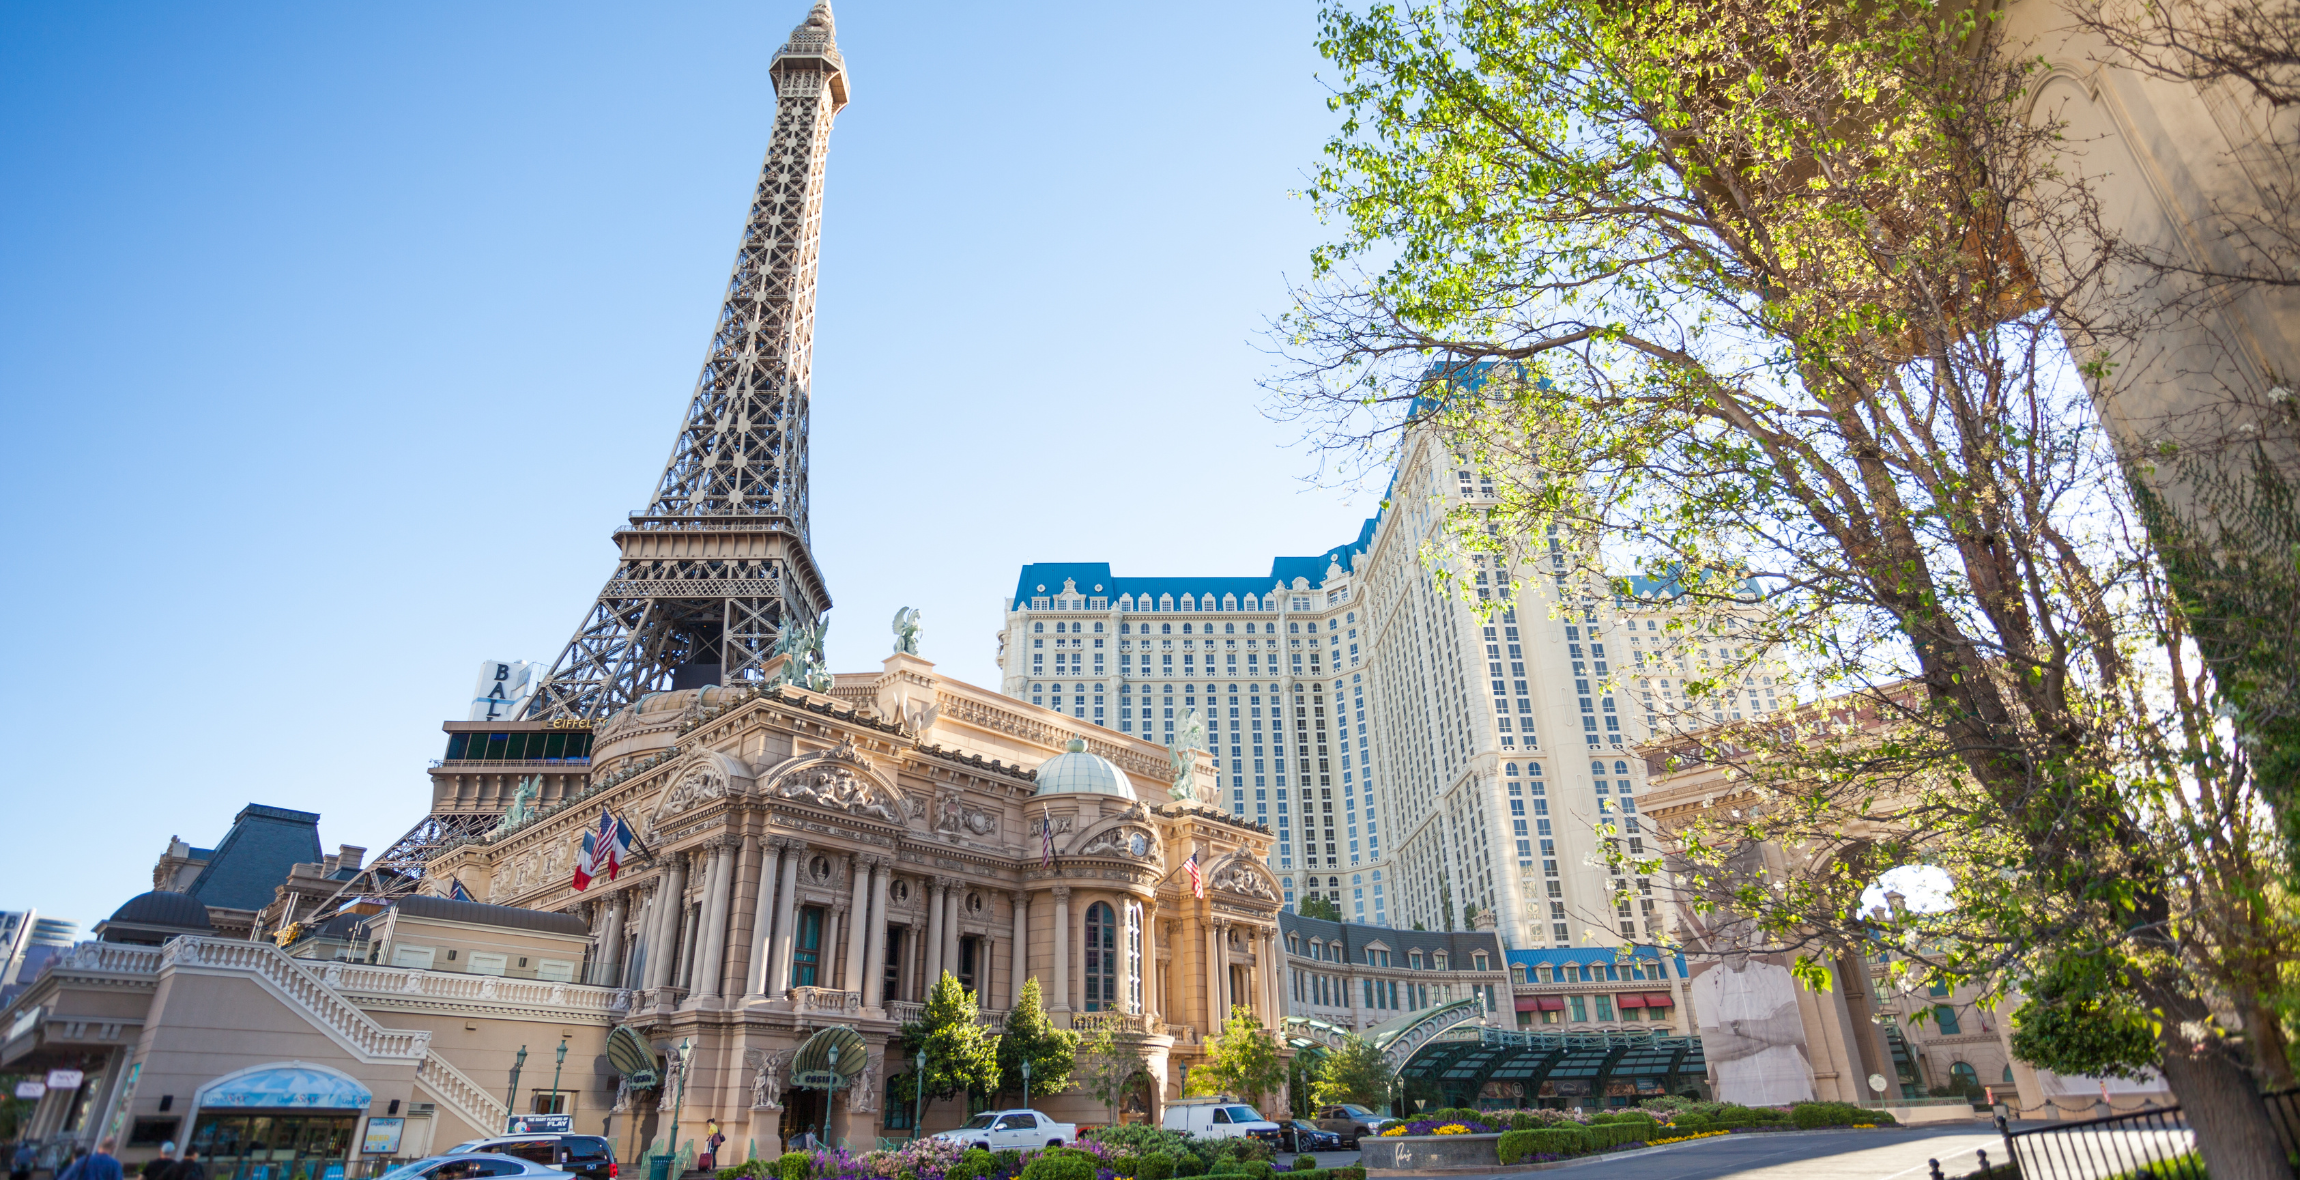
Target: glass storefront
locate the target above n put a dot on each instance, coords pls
(275, 1145)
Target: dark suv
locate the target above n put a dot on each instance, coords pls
(587, 1156)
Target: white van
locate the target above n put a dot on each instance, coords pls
(1219, 1118)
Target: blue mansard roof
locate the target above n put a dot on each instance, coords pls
(1094, 579)
(264, 845)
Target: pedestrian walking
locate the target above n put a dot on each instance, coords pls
(23, 1160)
(190, 1167)
(163, 1168)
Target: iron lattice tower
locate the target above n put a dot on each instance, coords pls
(716, 566)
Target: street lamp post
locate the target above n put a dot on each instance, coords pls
(825, 1131)
(679, 1104)
(560, 1064)
(918, 1097)
(1026, 1083)
(511, 1096)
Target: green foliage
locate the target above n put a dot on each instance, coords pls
(1243, 1149)
(1243, 1061)
(961, 1056)
(1516, 1145)
(1253, 1169)
(1059, 1165)
(1305, 1162)
(794, 1165)
(1809, 1115)
(2081, 1016)
(972, 1163)
(1155, 1166)
(1112, 1059)
(1354, 1073)
(1138, 1138)
(1187, 1163)
(1316, 905)
(1031, 1036)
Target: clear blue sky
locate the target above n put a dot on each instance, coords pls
(335, 340)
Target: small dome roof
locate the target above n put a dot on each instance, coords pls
(177, 911)
(1077, 772)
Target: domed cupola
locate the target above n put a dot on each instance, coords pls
(1076, 772)
(153, 918)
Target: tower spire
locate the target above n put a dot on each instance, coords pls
(717, 565)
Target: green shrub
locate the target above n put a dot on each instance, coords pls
(1125, 1167)
(1246, 1149)
(1155, 1166)
(1516, 1145)
(1687, 1124)
(1305, 1162)
(1007, 1162)
(1059, 1164)
(1613, 1135)
(1809, 1115)
(1187, 1163)
(794, 1165)
(973, 1162)
(1353, 1172)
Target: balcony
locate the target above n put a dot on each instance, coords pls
(582, 764)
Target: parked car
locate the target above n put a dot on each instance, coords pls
(1300, 1135)
(474, 1165)
(1220, 1118)
(1350, 1122)
(588, 1156)
(997, 1130)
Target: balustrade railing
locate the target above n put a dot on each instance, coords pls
(406, 982)
(303, 989)
(467, 1098)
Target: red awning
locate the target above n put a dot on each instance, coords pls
(1659, 1000)
(1529, 1003)
(1551, 1003)
(1629, 1001)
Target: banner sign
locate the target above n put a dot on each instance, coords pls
(540, 1124)
(64, 1079)
(31, 1089)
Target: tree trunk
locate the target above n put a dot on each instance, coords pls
(2222, 1102)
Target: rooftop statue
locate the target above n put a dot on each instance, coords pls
(907, 626)
(805, 667)
(522, 805)
(1189, 741)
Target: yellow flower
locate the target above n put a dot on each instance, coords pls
(1451, 1129)
(1400, 1129)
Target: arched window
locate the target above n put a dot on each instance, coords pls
(1101, 958)
(1621, 768)
(1965, 1076)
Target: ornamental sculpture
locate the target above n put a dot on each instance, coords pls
(907, 627)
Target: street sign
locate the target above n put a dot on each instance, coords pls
(817, 1079)
(540, 1124)
(64, 1079)
(31, 1089)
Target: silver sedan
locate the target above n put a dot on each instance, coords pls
(474, 1165)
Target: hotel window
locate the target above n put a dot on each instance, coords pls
(1101, 958)
(806, 955)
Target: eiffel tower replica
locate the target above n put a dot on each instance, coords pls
(715, 569)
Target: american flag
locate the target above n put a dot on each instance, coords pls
(1197, 883)
(456, 890)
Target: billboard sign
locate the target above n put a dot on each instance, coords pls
(31, 1089)
(64, 1079)
(540, 1124)
(501, 692)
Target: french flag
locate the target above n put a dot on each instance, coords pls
(602, 850)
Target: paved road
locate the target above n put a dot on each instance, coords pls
(1797, 1155)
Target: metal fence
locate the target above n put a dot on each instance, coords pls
(2151, 1144)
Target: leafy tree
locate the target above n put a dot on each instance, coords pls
(961, 1055)
(1030, 1036)
(2080, 1017)
(1244, 1061)
(1355, 1073)
(1788, 299)
(1113, 1060)
(1302, 1075)
(1315, 905)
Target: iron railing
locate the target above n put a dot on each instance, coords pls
(2154, 1143)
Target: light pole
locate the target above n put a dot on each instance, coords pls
(824, 1133)
(511, 1096)
(560, 1064)
(1026, 1083)
(918, 1097)
(679, 1104)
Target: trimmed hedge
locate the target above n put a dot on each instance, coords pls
(1563, 1141)
(1155, 1166)
(1256, 1169)
(1187, 1163)
(1059, 1165)
(795, 1165)
(1305, 1162)
(1809, 1115)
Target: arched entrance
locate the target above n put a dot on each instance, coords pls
(826, 1065)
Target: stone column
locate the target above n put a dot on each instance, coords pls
(874, 937)
(1021, 969)
(610, 943)
(952, 894)
(858, 920)
(763, 918)
(690, 936)
(661, 954)
(714, 933)
(931, 949)
(1061, 951)
(1218, 974)
(786, 919)
(742, 913)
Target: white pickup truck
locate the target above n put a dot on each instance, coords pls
(998, 1130)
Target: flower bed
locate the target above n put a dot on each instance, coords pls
(1437, 1127)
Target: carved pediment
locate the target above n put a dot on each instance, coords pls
(837, 779)
(1244, 876)
(708, 777)
(1123, 836)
